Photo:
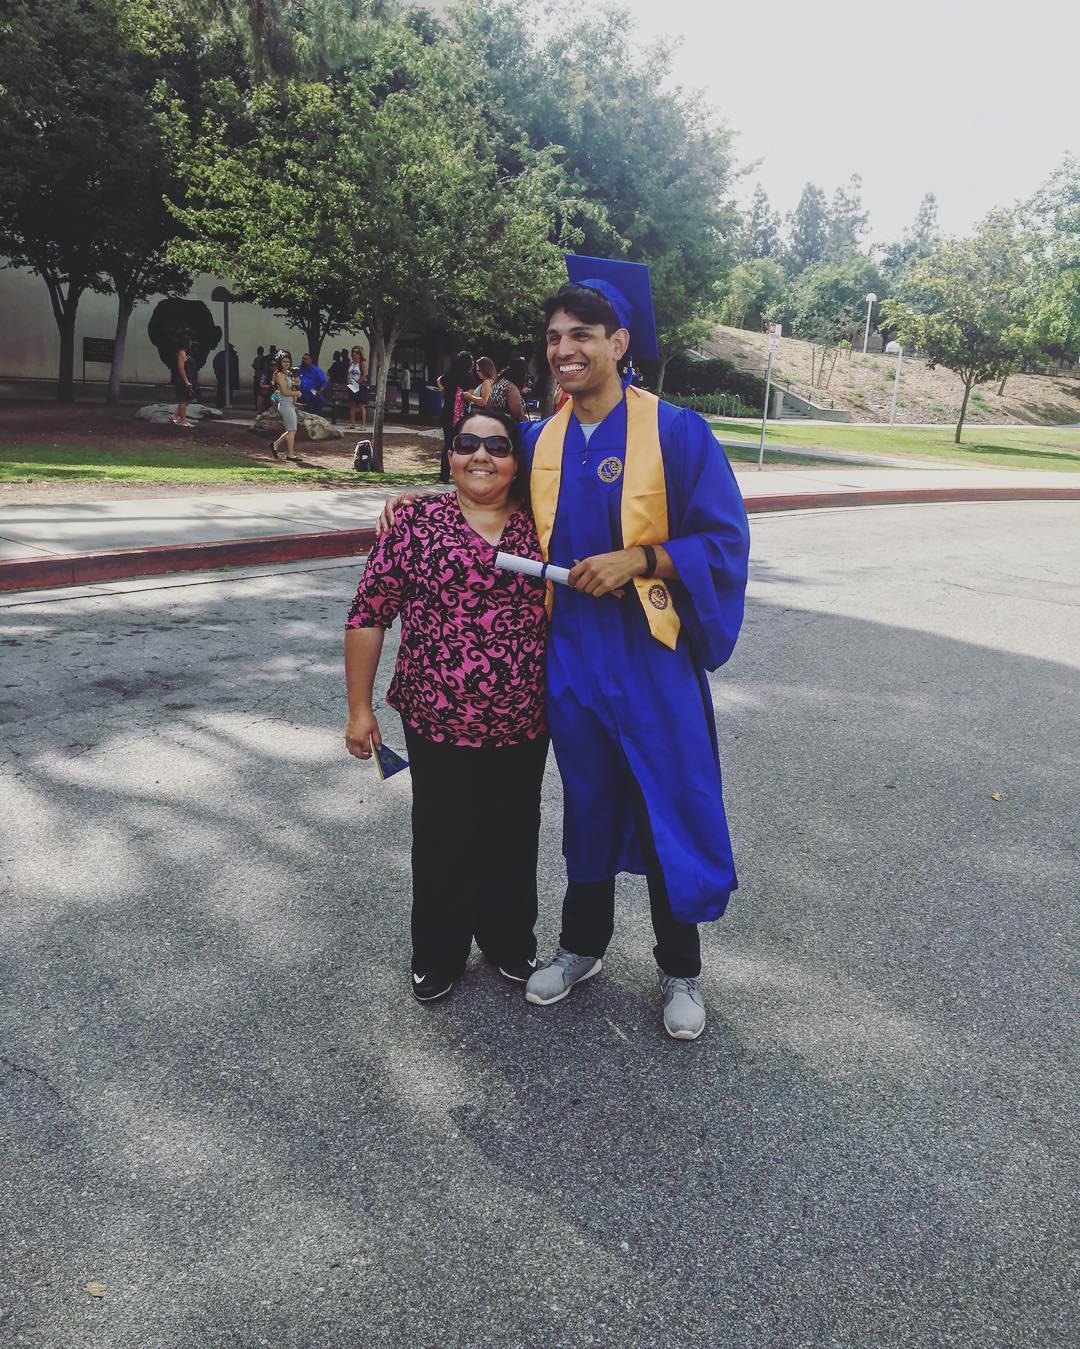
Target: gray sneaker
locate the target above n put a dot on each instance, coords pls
(684, 1007)
(553, 981)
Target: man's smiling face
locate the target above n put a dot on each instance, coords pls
(581, 355)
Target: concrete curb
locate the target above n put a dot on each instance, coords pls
(121, 564)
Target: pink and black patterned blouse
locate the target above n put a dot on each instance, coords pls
(470, 666)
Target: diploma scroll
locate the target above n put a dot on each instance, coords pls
(544, 571)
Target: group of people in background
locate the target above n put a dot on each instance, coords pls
(468, 384)
(478, 386)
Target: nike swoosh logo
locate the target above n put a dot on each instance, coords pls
(418, 978)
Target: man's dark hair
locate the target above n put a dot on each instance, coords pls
(583, 303)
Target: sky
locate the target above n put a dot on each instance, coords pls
(977, 103)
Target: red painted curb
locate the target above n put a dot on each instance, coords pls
(906, 496)
(120, 564)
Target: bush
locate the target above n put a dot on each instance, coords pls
(687, 375)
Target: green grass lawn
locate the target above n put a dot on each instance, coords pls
(194, 465)
(747, 454)
(1035, 447)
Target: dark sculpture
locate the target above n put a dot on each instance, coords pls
(172, 320)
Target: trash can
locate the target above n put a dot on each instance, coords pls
(430, 402)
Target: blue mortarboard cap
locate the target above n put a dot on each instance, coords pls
(628, 289)
(388, 763)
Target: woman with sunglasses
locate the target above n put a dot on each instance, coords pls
(469, 686)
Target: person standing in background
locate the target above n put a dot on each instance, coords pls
(405, 385)
(219, 373)
(185, 378)
(259, 373)
(507, 393)
(356, 379)
(453, 384)
(313, 384)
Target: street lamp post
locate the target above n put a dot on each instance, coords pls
(222, 295)
(870, 298)
(895, 346)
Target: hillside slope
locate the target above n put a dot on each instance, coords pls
(863, 384)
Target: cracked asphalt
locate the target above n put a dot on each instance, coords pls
(218, 1099)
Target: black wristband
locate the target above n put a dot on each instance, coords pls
(650, 559)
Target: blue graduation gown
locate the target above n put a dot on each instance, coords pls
(620, 703)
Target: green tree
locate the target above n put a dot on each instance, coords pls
(370, 201)
(847, 220)
(86, 160)
(965, 306)
(1052, 220)
(828, 300)
(761, 235)
(918, 241)
(808, 227)
(647, 168)
(299, 39)
(62, 103)
(266, 205)
(754, 289)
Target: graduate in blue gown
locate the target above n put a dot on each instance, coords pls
(638, 497)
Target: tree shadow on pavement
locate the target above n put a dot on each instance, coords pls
(218, 1098)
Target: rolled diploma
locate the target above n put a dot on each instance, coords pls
(545, 571)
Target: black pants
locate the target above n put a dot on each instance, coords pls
(588, 917)
(444, 462)
(404, 402)
(476, 830)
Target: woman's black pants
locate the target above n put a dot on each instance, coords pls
(476, 830)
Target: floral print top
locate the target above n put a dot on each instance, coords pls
(470, 665)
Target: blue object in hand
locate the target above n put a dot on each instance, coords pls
(388, 763)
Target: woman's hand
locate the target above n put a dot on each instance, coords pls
(362, 734)
(390, 509)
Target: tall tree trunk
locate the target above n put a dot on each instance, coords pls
(969, 382)
(382, 349)
(124, 306)
(65, 310)
(1001, 386)
(813, 349)
(314, 333)
(660, 375)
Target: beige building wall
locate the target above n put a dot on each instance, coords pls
(30, 344)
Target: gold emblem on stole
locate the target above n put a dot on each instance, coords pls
(610, 469)
(658, 597)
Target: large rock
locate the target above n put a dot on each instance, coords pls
(162, 412)
(316, 428)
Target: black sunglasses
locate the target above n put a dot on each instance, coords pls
(497, 446)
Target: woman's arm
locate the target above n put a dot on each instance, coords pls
(363, 647)
(481, 399)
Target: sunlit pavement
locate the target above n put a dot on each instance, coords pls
(218, 1099)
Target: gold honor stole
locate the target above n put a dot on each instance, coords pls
(644, 499)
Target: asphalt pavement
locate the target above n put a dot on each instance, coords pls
(219, 1101)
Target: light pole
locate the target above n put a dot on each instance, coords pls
(221, 294)
(870, 298)
(895, 346)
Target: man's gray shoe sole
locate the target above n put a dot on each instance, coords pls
(686, 1034)
(549, 1002)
